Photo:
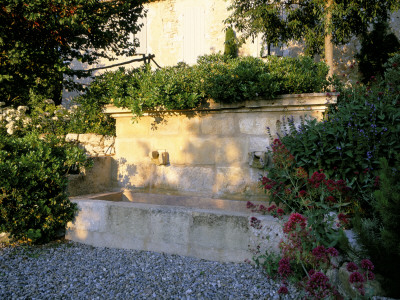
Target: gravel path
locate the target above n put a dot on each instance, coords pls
(76, 271)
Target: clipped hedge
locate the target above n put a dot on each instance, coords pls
(34, 205)
(216, 77)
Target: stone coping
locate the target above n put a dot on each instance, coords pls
(306, 101)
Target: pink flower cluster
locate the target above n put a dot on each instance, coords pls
(284, 268)
(255, 223)
(281, 155)
(317, 179)
(322, 255)
(318, 286)
(343, 220)
(268, 183)
(296, 221)
(357, 278)
(273, 209)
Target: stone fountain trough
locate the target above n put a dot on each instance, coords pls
(211, 153)
(212, 229)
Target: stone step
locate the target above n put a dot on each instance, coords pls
(212, 229)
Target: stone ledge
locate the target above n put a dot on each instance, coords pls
(280, 103)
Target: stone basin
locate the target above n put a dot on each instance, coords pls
(212, 229)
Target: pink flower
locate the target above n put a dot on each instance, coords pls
(367, 265)
(262, 208)
(284, 267)
(280, 212)
(332, 251)
(319, 252)
(330, 199)
(302, 193)
(272, 207)
(256, 223)
(294, 220)
(343, 220)
(356, 277)
(283, 290)
(369, 275)
(318, 286)
(351, 267)
(250, 205)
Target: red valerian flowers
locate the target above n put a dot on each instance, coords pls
(367, 265)
(356, 277)
(351, 267)
(318, 286)
(283, 290)
(295, 220)
(284, 267)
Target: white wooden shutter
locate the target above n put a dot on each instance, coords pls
(142, 37)
(193, 34)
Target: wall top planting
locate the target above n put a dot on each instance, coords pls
(303, 102)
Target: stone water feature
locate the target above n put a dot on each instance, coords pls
(185, 177)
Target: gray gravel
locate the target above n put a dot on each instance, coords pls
(76, 271)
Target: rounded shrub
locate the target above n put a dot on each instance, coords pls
(34, 205)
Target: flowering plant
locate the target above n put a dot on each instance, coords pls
(305, 261)
(291, 186)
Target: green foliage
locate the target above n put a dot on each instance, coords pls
(376, 46)
(236, 80)
(392, 75)
(380, 233)
(231, 43)
(39, 39)
(45, 117)
(215, 76)
(298, 75)
(282, 21)
(33, 202)
(347, 144)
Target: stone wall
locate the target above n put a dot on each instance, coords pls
(98, 178)
(212, 152)
(94, 144)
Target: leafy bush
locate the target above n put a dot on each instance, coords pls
(298, 75)
(348, 143)
(46, 117)
(380, 233)
(231, 43)
(376, 47)
(235, 80)
(216, 76)
(33, 200)
(392, 75)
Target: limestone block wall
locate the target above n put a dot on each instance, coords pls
(94, 144)
(98, 178)
(206, 150)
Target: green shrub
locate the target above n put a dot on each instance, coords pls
(379, 234)
(231, 43)
(44, 116)
(347, 144)
(392, 75)
(33, 202)
(376, 47)
(298, 75)
(216, 76)
(235, 80)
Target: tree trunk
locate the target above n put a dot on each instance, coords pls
(328, 39)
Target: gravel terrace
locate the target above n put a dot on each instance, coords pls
(67, 270)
